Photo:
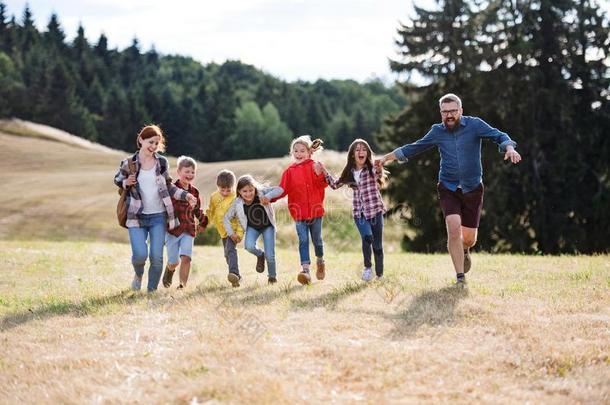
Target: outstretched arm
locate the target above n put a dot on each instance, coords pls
(403, 153)
(505, 144)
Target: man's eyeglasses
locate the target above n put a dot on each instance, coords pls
(449, 112)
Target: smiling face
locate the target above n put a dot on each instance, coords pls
(247, 193)
(186, 174)
(150, 145)
(451, 113)
(300, 152)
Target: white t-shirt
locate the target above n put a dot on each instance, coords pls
(151, 202)
(357, 175)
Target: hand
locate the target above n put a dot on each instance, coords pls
(379, 163)
(265, 200)
(191, 199)
(512, 154)
(130, 181)
(235, 238)
(318, 168)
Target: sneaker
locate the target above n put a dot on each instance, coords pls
(467, 261)
(304, 277)
(180, 287)
(167, 277)
(320, 269)
(272, 280)
(136, 284)
(367, 275)
(461, 281)
(233, 279)
(260, 263)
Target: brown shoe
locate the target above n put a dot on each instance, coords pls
(233, 279)
(467, 261)
(272, 280)
(304, 277)
(320, 269)
(260, 263)
(167, 277)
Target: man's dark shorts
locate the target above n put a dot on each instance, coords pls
(466, 205)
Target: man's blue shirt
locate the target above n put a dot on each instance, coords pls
(460, 151)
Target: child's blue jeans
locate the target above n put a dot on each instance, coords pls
(311, 227)
(371, 232)
(252, 234)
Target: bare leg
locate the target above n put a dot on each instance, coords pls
(454, 242)
(469, 237)
(185, 268)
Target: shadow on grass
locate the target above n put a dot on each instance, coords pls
(331, 299)
(251, 295)
(432, 307)
(65, 307)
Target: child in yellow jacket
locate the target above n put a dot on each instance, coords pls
(220, 201)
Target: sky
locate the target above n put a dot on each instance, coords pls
(290, 39)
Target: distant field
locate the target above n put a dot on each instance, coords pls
(60, 188)
(527, 330)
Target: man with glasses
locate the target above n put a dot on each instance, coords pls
(460, 188)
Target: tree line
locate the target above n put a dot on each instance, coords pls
(538, 70)
(212, 112)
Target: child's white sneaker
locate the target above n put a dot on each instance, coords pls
(367, 275)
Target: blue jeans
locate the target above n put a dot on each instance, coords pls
(268, 233)
(152, 227)
(371, 232)
(304, 229)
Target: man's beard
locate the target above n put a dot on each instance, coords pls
(452, 125)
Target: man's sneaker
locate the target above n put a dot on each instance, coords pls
(167, 277)
(136, 284)
(367, 275)
(304, 277)
(233, 279)
(461, 281)
(467, 261)
(320, 269)
(260, 263)
(272, 280)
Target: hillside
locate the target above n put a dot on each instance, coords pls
(61, 188)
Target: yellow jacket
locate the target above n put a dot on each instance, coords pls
(219, 206)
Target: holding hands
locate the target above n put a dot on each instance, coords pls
(191, 199)
(235, 238)
(130, 181)
(319, 168)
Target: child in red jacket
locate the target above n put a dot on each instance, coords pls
(304, 183)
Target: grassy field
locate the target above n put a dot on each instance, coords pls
(526, 330)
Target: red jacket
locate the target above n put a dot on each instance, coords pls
(305, 191)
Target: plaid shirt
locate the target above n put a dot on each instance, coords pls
(366, 199)
(186, 214)
(166, 188)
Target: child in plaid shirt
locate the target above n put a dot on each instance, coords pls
(367, 204)
(179, 241)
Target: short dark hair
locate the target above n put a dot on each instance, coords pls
(225, 178)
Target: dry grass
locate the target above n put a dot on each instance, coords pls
(527, 330)
(57, 190)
